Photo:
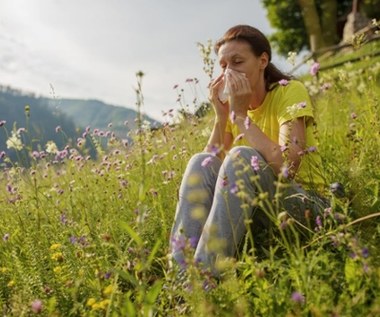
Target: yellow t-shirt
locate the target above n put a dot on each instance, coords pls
(282, 104)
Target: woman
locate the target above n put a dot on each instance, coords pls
(262, 135)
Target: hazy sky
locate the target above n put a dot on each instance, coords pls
(92, 48)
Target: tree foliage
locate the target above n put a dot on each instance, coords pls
(291, 33)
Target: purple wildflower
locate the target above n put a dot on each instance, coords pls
(193, 242)
(314, 68)
(36, 306)
(354, 115)
(2, 154)
(283, 148)
(2, 123)
(247, 122)
(179, 243)
(297, 297)
(234, 188)
(302, 105)
(58, 129)
(312, 149)
(285, 172)
(283, 82)
(255, 162)
(365, 252)
(207, 161)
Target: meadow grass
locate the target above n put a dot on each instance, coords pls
(90, 238)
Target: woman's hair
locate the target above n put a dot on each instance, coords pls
(259, 44)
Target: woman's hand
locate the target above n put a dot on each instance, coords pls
(240, 92)
(221, 109)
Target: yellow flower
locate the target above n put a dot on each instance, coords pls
(104, 303)
(55, 246)
(3, 269)
(57, 269)
(11, 283)
(108, 290)
(57, 256)
(91, 301)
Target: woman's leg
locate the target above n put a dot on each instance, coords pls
(244, 194)
(194, 204)
(238, 184)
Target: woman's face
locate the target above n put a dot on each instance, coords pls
(238, 56)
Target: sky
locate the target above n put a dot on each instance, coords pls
(92, 49)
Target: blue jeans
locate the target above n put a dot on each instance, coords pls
(217, 202)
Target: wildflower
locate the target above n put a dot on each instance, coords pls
(326, 86)
(312, 149)
(175, 86)
(108, 290)
(91, 301)
(37, 306)
(207, 161)
(337, 189)
(232, 116)
(2, 154)
(318, 222)
(178, 243)
(35, 154)
(234, 188)
(314, 68)
(255, 163)
(125, 142)
(55, 246)
(247, 122)
(298, 298)
(51, 147)
(365, 252)
(354, 115)
(292, 58)
(11, 283)
(21, 130)
(2, 123)
(239, 137)
(283, 148)
(301, 105)
(58, 129)
(283, 82)
(6, 237)
(285, 171)
(14, 142)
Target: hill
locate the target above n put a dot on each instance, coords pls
(40, 117)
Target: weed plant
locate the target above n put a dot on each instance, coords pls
(90, 238)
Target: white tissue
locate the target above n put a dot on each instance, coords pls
(224, 90)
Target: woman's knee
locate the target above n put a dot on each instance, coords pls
(245, 152)
(204, 162)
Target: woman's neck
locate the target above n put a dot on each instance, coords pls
(258, 96)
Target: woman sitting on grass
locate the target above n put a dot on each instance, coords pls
(261, 158)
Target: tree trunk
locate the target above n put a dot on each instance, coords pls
(329, 21)
(312, 24)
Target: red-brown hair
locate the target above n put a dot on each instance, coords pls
(259, 44)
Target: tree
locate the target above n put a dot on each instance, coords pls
(310, 24)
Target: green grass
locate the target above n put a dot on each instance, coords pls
(90, 238)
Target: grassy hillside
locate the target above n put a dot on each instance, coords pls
(90, 238)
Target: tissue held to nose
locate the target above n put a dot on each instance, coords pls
(224, 90)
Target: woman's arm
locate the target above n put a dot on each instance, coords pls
(290, 144)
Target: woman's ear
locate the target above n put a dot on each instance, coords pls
(264, 60)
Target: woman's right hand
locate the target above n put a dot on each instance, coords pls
(221, 109)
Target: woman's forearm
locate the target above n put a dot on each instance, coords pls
(216, 139)
(271, 151)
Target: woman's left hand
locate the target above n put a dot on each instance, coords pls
(240, 92)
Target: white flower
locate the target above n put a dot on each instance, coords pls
(15, 141)
(51, 147)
